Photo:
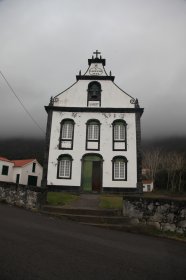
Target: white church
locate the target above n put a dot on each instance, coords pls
(93, 135)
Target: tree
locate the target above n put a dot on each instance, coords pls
(152, 160)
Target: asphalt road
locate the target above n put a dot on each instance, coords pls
(34, 246)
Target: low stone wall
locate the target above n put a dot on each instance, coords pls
(165, 214)
(23, 196)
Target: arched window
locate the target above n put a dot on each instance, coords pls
(119, 168)
(93, 135)
(66, 134)
(64, 170)
(94, 94)
(119, 135)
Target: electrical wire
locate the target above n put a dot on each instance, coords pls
(23, 106)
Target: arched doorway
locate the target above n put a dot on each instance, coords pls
(91, 175)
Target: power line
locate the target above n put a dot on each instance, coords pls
(25, 109)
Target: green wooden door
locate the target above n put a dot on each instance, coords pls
(87, 171)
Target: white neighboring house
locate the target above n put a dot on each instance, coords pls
(6, 169)
(148, 185)
(25, 171)
(93, 135)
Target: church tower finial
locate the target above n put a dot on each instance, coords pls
(96, 53)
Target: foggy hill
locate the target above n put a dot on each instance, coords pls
(14, 148)
(172, 144)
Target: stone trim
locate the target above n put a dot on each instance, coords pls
(108, 78)
(139, 153)
(94, 110)
(47, 146)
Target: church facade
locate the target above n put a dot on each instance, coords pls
(93, 135)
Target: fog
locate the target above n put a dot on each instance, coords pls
(45, 43)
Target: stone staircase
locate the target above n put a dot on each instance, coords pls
(109, 218)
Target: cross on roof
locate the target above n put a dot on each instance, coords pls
(96, 53)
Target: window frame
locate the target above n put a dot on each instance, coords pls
(93, 122)
(119, 159)
(5, 170)
(117, 122)
(33, 167)
(61, 139)
(60, 158)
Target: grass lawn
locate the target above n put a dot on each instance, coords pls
(60, 198)
(111, 201)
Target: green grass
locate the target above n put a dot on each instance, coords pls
(60, 198)
(111, 201)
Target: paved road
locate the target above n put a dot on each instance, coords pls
(33, 246)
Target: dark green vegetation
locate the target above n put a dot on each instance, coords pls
(106, 201)
(166, 161)
(111, 201)
(60, 198)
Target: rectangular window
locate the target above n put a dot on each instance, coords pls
(119, 132)
(5, 169)
(93, 132)
(34, 167)
(64, 168)
(66, 134)
(67, 131)
(119, 170)
(119, 136)
(93, 135)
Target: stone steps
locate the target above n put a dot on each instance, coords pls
(82, 211)
(123, 226)
(89, 219)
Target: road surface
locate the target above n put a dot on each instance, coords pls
(37, 247)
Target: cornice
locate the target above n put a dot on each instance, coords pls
(94, 110)
(108, 78)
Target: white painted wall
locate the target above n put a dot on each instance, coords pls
(106, 120)
(6, 178)
(17, 170)
(26, 170)
(148, 186)
(111, 96)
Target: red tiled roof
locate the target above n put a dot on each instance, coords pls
(4, 159)
(21, 162)
(147, 181)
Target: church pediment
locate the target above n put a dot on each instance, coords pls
(96, 70)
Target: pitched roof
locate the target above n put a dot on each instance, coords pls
(4, 159)
(22, 162)
(148, 181)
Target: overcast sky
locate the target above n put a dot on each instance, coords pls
(44, 44)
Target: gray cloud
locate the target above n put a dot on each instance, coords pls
(45, 43)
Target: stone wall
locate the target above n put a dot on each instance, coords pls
(23, 196)
(165, 214)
